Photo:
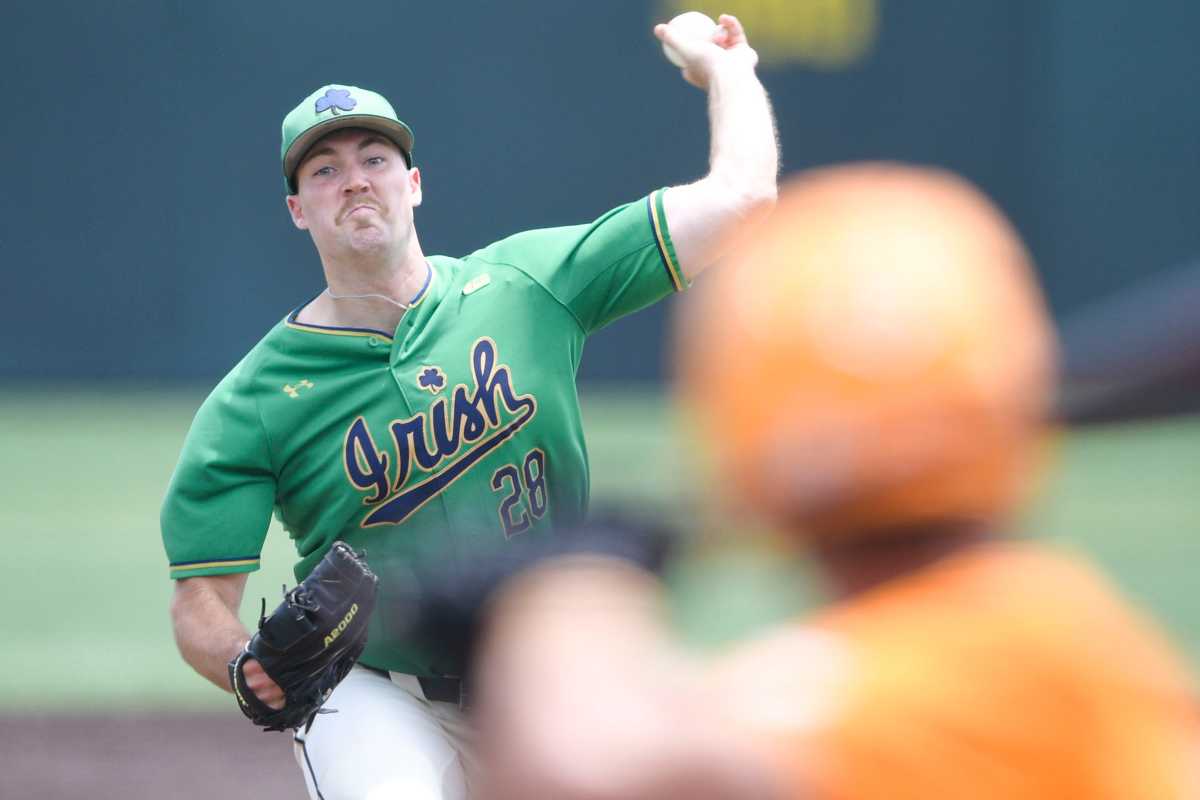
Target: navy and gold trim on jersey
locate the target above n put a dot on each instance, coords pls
(666, 248)
(332, 330)
(183, 569)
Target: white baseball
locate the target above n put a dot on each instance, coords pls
(688, 25)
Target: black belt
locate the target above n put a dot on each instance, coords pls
(437, 689)
(443, 690)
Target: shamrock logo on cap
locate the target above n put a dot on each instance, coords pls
(335, 99)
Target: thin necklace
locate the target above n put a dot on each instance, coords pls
(393, 301)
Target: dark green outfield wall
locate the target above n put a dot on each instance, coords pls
(143, 229)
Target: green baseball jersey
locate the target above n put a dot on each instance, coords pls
(456, 430)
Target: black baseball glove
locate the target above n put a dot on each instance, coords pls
(310, 641)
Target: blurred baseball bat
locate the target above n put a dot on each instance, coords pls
(1135, 355)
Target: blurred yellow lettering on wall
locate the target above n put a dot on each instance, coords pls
(823, 34)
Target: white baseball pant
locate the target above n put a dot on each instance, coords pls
(385, 742)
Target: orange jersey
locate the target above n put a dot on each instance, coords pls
(1005, 672)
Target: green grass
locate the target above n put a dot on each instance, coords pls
(1129, 495)
(87, 589)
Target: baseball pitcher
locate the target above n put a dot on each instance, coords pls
(417, 407)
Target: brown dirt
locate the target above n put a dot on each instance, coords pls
(183, 757)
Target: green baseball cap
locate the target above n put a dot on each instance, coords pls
(330, 108)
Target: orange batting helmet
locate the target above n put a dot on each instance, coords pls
(876, 355)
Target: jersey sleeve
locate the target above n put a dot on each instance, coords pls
(601, 271)
(218, 505)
